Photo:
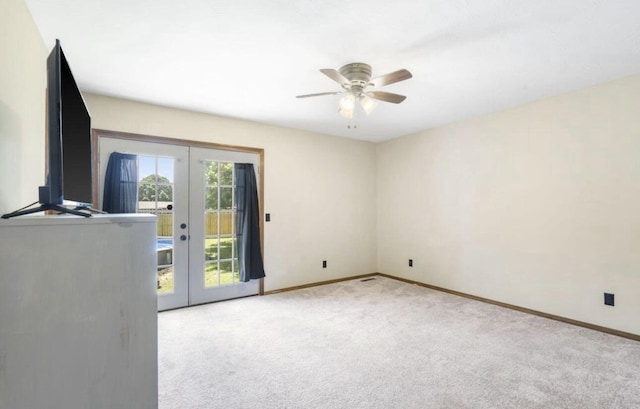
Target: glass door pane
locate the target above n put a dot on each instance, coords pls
(220, 258)
(155, 196)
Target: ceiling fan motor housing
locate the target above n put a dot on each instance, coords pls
(358, 73)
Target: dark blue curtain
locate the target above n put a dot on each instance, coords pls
(120, 184)
(250, 263)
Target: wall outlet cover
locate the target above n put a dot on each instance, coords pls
(609, 299)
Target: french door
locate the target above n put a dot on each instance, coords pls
(191, 191)
(213, 252)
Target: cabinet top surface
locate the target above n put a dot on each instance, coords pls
(25, 221)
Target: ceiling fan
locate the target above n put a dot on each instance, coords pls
(357, 85)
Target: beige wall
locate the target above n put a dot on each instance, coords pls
(319, 189)
(536, 206)
(22, 107)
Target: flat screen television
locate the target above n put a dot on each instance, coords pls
(68, 142)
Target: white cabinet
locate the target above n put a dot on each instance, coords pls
(78, 312)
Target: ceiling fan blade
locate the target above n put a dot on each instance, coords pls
(336, 76)
(391, 78)
(386, 96)
(318, 94)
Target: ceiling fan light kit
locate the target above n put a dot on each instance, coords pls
(347, 105)
(355, 80)
(368, 104)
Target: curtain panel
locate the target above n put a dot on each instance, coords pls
(250, 263)
(120, 184)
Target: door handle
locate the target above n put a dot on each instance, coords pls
(183, 237)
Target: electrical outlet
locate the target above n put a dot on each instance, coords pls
(267, 217)
(609, 299)
(324, 263)
(410, 262)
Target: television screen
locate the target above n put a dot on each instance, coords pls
(76, 140)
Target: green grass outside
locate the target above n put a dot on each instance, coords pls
(213, 276)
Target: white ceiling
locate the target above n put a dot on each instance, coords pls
(248, 59)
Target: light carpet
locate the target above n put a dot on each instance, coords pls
(383, 343)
